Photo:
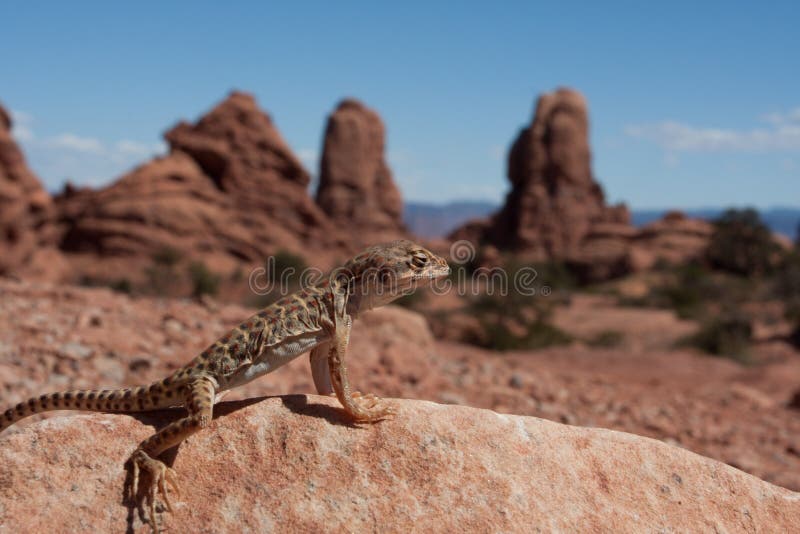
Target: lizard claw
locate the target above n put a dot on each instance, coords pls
(373, 408)
(160, 477)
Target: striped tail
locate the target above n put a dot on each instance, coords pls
(136, 399)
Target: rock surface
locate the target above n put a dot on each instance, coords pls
(356, 186)
(24, 204)
(229, 193)
(674, 239)
(294, 463)
(59, 337)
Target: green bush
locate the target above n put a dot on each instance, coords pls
(786, 287)
(538, 335)
(159, 278)
(411, 301)
(787, 277)
(161, 275)
(283, 271)
(607, 339)
(516, 321)
(728, 336)
(689, 291)
(167, 256)
(286, 262)
(204, 282)
(741, 244)
(123, 285)
(692, 291)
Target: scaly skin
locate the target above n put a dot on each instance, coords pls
(316, 319)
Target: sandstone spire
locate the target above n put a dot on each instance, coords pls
(356, 188)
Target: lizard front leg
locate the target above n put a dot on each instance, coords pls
(319, 368)
(322, 375)
(199, 403)
(368, 408)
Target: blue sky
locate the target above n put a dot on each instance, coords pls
(690, 105)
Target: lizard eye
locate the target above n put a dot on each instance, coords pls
(419, 261)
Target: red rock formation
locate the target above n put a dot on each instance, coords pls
(554, 200)
(24, 204)
(674, 239)
(555, 209)
(230, 192)
(356, 188)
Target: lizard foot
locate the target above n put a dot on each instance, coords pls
(356, 395)
(371, 408)
(160, 476)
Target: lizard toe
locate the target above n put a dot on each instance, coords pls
(160, 478)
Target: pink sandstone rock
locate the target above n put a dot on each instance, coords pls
(229, 193)
(294, 464)
(356, 188)
(554, 200)
(24, 204)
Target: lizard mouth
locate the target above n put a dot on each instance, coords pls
(430, 275)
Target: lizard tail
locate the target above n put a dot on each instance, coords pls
(108, 400)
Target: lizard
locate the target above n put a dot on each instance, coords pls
(316, 319)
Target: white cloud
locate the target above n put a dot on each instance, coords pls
(136, 148)
(80, 159)
(21, 127)
(781, 134)
(791, 116)
(497, 152)
(398, 156)
(77, 143)
(309, 157)
(671, 160)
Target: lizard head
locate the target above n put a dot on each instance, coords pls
(383, 273)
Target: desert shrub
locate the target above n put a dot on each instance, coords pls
(692, 291)
(286, 263)
(159, 278)
(786, 282)
(237, 275)
(204, 282)
(283, 272)
(786, 288)
(688, 291)
(556, 275)
(411, 301)
(741, 244)
(606, 339)
(88, 281)
(541, 334)
(538, 334)
(516, 321)
(161, 275)
(167, 256)
(797, 237)
(728, 336)
(122, 285)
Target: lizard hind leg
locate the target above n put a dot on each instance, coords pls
(199, 403)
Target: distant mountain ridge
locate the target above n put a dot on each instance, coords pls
(437, 220)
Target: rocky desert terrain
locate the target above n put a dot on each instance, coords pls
(120, 285)
(56, 338)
